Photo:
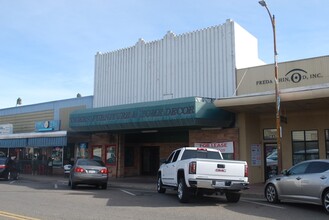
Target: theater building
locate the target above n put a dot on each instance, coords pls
(154, 97)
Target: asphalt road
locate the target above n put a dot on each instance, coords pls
(53, 199)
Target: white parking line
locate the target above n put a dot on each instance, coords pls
(263, 204)
(132, 194)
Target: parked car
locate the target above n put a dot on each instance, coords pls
(88, 172)
(8, 168)
(306, 182)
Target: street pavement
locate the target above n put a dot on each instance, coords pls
(141, 182)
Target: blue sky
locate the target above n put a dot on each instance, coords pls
(47, 47)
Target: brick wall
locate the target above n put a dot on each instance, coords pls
(220, 135)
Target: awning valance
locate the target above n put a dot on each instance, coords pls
(182, 112)
(35, 139)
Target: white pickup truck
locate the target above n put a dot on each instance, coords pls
(199, 171)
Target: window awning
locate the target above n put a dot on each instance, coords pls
(36, 139)
(181, 112)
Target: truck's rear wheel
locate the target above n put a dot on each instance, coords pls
(182, 191)
(160, 188)
(232, 196)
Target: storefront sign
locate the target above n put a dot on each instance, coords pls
(270, 134)
(163, 112)
(6, 129)
(294, 76)
(299, 74)
(224, 147)
(51, 125)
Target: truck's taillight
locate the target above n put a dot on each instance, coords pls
(192, 168)
(246, 170)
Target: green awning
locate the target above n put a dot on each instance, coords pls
(34, 139)
(182, 112)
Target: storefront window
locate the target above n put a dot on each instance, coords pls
(3, 152)
(57, 156)
(305, 145)
(110, 155)
(82, 150)
(97, 153)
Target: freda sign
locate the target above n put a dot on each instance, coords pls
(293, 76)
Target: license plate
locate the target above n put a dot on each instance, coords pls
(220, 183)
(92, 171)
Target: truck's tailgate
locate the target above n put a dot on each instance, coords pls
(225, 169)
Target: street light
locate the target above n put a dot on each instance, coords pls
(277, 94)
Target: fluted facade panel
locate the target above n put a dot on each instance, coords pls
(199, 63)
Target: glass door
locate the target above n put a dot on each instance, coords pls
(271, 160)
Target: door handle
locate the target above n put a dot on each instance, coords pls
(298, 178)
(323, 177)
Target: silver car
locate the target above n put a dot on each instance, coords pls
(88, 172)
(306, 182)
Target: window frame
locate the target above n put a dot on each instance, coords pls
(304, 143)
(326, 139)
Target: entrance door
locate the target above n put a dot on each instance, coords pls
(150, 160)
(271, 160)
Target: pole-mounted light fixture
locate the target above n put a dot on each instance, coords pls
(277, 93)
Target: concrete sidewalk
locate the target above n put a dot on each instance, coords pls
(142, 182)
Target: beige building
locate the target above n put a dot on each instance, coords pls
(304, 105)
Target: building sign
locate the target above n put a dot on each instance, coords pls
(137, 114)
(293, 76)
(51, 125)
(180, 112)
(6, 129)
(270, 134)
(224, 147)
